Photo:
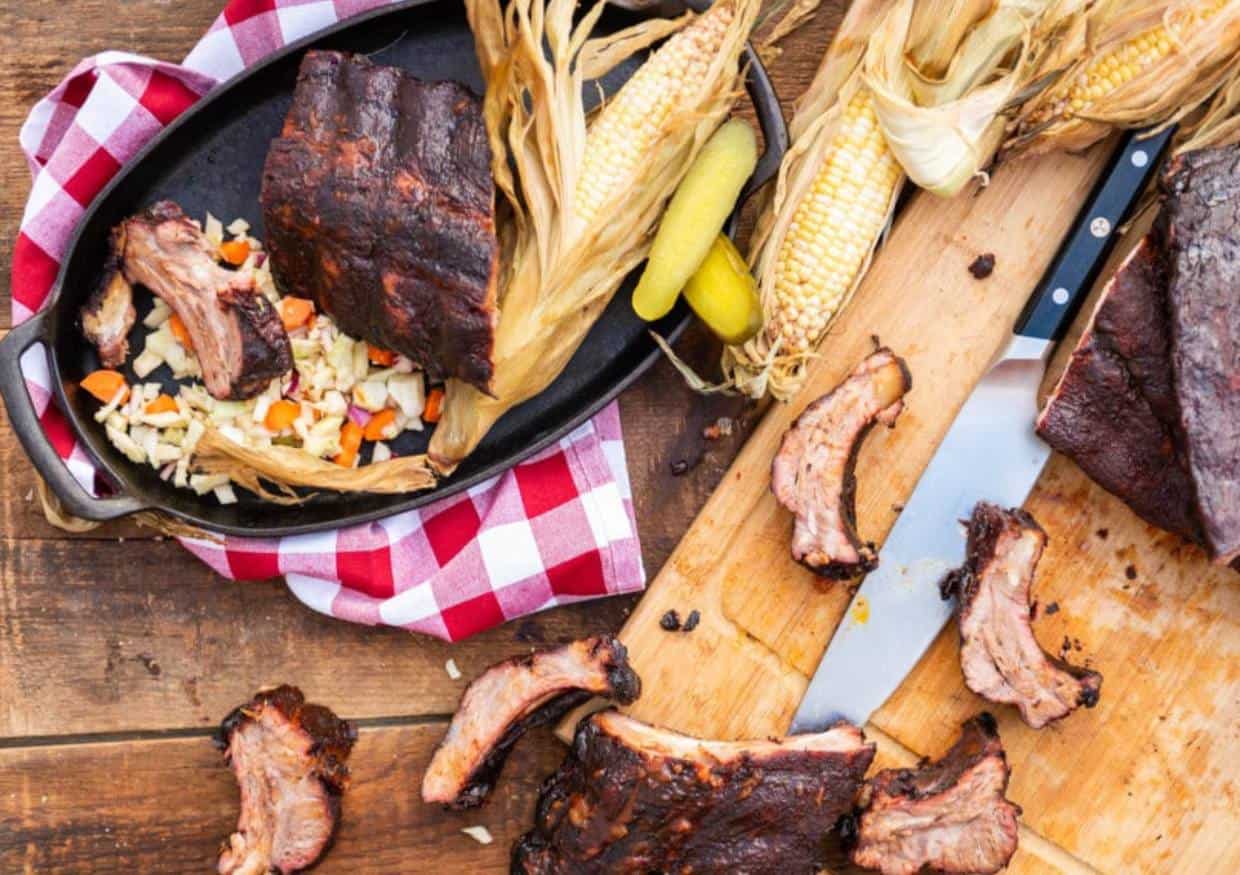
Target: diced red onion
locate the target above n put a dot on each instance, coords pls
(358, 415)
(260, 259)
(293, 382)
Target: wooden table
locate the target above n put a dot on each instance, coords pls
(120, 652)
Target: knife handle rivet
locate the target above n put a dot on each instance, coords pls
(1100, 227)
(1060, 296)
(1140, 158)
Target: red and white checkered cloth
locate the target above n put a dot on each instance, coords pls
(555, 529)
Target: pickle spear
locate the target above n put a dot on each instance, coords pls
(724, 295)
(695, 216)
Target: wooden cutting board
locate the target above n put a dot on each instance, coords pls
(1145, 781)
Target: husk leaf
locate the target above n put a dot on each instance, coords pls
(1219, 124)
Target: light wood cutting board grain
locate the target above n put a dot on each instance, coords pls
(1144, 782)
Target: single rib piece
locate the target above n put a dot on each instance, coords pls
(509, 698)
(1200, 227)
(631, 798)
(1114, 411)
(236, 332)
(289, 759)
(109, 314)
(999, 654)
(812, 474)
(950, 815)
(379, 204)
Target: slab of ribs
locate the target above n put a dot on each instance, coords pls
(289, 760)
(510, 698)
(1001, 659)
(812, 474)
(379, 205)
(1149, 405)
(946, 816)
(236, 333)
(632, 798)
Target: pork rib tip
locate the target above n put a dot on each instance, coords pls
(236, 332)
(109, 313)
(812, 474)
(289, 759)
(513, 696)
(631, 798)
(950, 815)
(999, 654)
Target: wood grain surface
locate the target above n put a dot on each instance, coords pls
(119, 651)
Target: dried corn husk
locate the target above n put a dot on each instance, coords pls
(566, 261)
(284, 468)
(1201, 41)
(1219, 124)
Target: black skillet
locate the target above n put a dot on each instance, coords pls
(211, 158)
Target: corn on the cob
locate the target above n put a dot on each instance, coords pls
(833, 229)
(621, 135)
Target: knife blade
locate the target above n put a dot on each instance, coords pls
(990, 452)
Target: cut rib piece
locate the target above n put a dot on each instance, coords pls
(1200, 228)
(999, 654)
(109, 313)
(1114, 411)
(812, 474)
(635, 799)
(236, 332)
(950, 815)
(379, 204)
(516, 695)
(289, 759)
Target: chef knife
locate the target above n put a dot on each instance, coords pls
(990, 452)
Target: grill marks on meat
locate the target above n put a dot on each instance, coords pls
(950, 815)
(631, 798)
(999, 654)
(109, 313)
(379, 204)
(236, 332)
(1200, 229)
(289, 760)
(812, 474)
(516, 695)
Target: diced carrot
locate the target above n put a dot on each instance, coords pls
(235, 252)
(350, 443)
(104, 384)
(434, 405)
(377, 428)
(180, 332)
(295, 312)
(281, 414)
(162, 404)
(385, 358)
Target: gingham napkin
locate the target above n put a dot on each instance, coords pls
(555, 529)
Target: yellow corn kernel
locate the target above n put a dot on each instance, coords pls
(632, 121)
(833, 228)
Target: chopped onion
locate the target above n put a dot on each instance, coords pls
(358, 415)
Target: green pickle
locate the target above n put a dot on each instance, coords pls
(724, 295)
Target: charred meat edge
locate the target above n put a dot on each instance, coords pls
(813, 472)
(237, 335)
(311, 747)
(950, 815)
(513, 696)
(109, 313)
(999, 654)
(635, 798)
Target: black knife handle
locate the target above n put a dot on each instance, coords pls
(1071, 275)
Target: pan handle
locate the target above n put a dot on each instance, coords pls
(30, 431)
(770, 120)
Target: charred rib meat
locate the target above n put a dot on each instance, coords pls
(109, 313)
(999, 654)
(1200, 228)
(237, 334)
(631, 798)
(289, 759)
(813, 476)
(950, 815)
(379, 204)
(514, 696)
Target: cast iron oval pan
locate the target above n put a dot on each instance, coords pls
(211, 158)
